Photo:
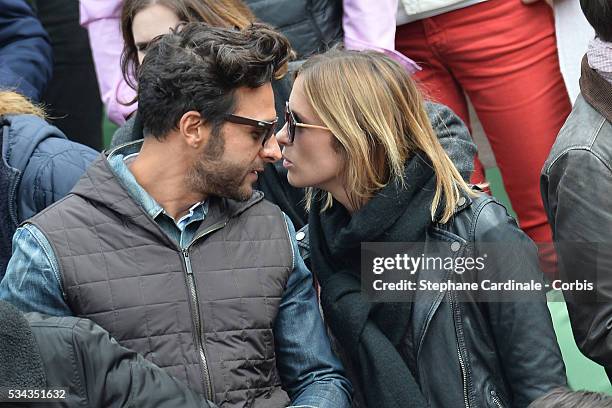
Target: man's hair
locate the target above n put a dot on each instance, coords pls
(599, 14)
(226, 13)
(200, 67)
(564, 398)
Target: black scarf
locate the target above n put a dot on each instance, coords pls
(370, 333)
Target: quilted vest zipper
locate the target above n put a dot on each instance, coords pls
(195, 312)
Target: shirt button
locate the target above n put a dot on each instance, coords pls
(300, 235)
(455, 246)
(461, 201)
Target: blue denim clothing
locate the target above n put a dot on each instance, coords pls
(310, 372)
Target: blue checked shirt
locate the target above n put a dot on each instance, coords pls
(310, 372)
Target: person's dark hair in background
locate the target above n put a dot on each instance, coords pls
(564, 398)
(599, 14)
(195, 71)
(228, 13)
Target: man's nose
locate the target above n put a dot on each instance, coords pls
(271, 151)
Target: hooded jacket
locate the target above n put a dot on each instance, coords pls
(39, 166)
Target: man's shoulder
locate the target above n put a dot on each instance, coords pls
(586, 130)
(55, 210)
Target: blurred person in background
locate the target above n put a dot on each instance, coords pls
(311, 26)
(26, 60)
(39, 165)
(503, 55)
(576, 182)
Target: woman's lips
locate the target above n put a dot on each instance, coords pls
(287, 163)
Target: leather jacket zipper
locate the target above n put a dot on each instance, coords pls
(196, 318)
(461, 361)
(496, 399)
(464, 377)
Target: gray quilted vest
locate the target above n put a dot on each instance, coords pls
(205, 314)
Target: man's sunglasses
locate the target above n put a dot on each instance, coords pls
(266, 128)
(292, 124)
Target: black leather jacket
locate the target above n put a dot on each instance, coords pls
(475, 354)
(576, 182)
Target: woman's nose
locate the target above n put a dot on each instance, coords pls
(271, 151)
(282, 136)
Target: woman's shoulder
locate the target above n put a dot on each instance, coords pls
(482, 218)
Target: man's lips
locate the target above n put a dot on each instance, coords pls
(287, 163)
(256, 172)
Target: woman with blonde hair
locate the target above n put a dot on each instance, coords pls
(39, 165)
(359, 137)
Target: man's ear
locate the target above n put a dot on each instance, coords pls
(193, 129)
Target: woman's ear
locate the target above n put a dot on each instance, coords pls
(194, 130)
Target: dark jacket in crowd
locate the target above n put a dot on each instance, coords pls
(26, 60)
(461, 351)
(82, 365)
(39, 166)
(312, 26)
(576, 186)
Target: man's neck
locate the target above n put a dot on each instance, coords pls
(160, 170)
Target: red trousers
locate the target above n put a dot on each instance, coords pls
(503, 55)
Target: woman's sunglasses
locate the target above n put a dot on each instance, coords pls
(292, 124)
(267, 128)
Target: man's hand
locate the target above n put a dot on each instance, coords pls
(549, 2)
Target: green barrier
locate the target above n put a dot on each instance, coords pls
(582, 373)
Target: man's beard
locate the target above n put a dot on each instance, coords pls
(210, 175)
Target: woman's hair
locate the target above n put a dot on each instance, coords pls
(12, 103)
(377, 115)
(227, 13)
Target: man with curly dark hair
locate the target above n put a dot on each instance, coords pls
(165, 244)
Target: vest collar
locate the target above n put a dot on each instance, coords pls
(100, 184)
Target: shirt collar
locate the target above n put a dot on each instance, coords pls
(117, 162)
